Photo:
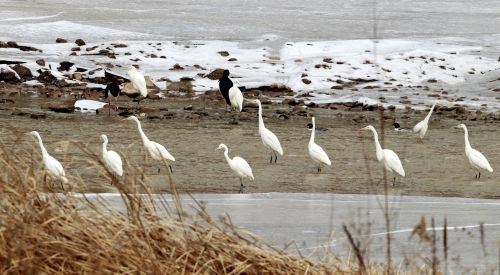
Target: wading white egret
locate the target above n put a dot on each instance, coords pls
(422, 126)
(236, 98)
(53, 167)
(387, 157)
(155, 150)
(138, 81)
(477, 160)
(239, 166)
(269, 139)
(111, 159)
(317, 153)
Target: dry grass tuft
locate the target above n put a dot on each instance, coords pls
(45, 232)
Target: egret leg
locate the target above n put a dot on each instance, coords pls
(158, 170)
(171, 171)
(479, 174)
(242, 187)
(275, 157)
(271, 160)
(62, 186)
(394, 182)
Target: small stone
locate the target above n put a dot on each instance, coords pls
(40, 62)
(80, 42)
(61, 40)
(306, 81)
(75, 49)
(232, 59)
(188, 108)
(22, 71)
(223, 53)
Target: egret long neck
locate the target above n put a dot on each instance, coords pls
(104, 145)
(226, 154)
(466, 137)
(378, 148)
(143, 136)
(42, 148)
(430, 112)
(313, 130)
(261, 120)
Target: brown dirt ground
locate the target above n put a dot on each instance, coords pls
(436, 167)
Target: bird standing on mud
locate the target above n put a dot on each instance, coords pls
(224, 85)
(317, 153)
(239, 166)
(111, 159)
(155, 150)
(269, 139)
(422, 126)
(52, 166)
(387, 157)
(477, 160)
(231, 93)
(138, 81)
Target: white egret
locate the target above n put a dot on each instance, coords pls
(52, 166)
(155, 150)
(269, 139)
(422, 126)
(236, 98)
(389, 159)
(138, 81)
(111, 159)
(317, 153)
(239, 166)
(477, 160)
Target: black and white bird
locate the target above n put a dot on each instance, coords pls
(224, 85)
(398, 128)
(317, 129)
(231, 93)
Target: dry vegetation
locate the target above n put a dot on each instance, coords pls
(43, 231)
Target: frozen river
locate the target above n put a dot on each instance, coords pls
(292, 20)
(313, 224)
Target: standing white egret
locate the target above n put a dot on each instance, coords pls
(155, 150)
(52, 166)
(317, 153)
(239, 166)
(476, 159)
(138, 81)
(269, 139)
(389, 159)
(236, 98)
(111, 159)
(422, 126)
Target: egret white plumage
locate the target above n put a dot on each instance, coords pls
(155, 150)
(111, 159)
(477, 160)
(387, 157)
(52, 166)
(422, 126)
(317, 153)
(236, 98)
(269, 139)
(239, 166)
(138, 81)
